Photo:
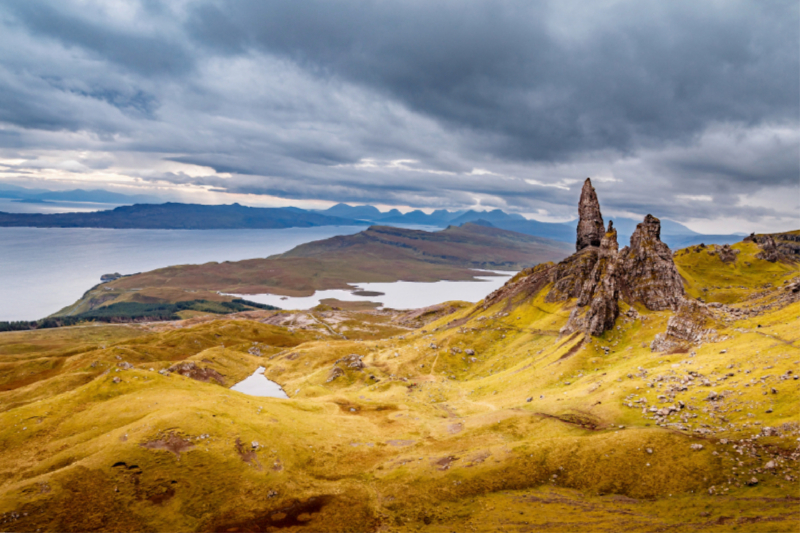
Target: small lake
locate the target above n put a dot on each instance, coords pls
(258, 385)
(396, 295)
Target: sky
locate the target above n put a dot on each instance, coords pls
(687, 110)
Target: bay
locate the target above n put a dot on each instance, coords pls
(43, 270)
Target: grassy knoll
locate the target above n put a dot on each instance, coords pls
(484, 419)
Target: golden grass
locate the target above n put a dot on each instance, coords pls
(426, 437)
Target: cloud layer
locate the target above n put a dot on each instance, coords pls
(687, 110)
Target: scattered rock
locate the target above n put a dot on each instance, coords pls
(336, 372)
(193, 371)
(352, 361)
(696, 447)
(116, 379)
(751, 482)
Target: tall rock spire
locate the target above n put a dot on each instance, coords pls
(651, 276)
(590, 224)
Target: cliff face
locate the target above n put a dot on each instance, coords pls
(598, 293)
(651, 277)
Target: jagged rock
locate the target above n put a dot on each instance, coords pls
(351, 361)
(590, 222)
(569, 276)
(599, 274)
(727, 254)
(769, 250)
(598, 307)
(194, 371)
(777, 247)
(528, 282)
(686, 327)
(650, 275)
(336, 372)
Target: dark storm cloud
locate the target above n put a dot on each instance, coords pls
(689, 109)
(627, 74)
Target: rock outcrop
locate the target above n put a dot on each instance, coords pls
(651, 277)
(598, 306)
(777, 247)
(590, 221)
(598, 275)
(690, 325)
(727, 254)
(194, 371)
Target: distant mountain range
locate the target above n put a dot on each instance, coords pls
(193, 216)
(99, 196)
(180, 216)
(674, 234)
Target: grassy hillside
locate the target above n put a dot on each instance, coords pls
(463, 418)
(379, 254)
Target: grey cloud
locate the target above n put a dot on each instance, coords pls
(291, 98)
(144, 53)
(645, 72)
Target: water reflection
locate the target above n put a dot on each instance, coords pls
(257, 385)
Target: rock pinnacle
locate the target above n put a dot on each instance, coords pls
(590, 224)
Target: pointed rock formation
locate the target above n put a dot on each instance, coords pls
(651, 277)
(598, 307)
(590, 222)
(598, 275)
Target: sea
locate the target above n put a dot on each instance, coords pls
(43, 270)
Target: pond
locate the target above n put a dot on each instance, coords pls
(258, 385)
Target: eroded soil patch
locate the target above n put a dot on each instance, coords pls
(172, 443)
